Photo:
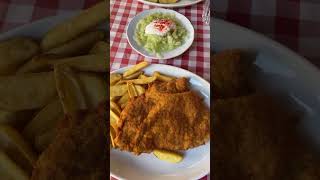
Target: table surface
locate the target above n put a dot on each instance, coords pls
(196, 59)
(294, 23)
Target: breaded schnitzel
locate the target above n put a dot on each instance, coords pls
(230, 72)
(169, 116)
(79, 151)
(256, 138)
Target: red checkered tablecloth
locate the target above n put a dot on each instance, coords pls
(294, 23)
(14, 13)
(196, 59)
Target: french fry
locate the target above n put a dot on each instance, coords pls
(73, 27)
(162, 77)
(133, 76)
(141, 90)
(79, 46)
(147, 80)
(17, 148)
(69, 90)
(118, 90)
(123, 100)
(168, 156)
(91, 63)
(135, 68)
(112, 136)
(38, 63)
(132, 90)
(114, 119)
(42, 141)
(27, 91)
(9, 169)
(115, 108)
(94, 88)
(115, 98)
(45, 120)
(141, 76)
(100, 47)
(14, 52)
(114, 78)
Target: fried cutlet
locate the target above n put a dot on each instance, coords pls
(256, 138)
(169, 116)
(230, 74)
(79, 150)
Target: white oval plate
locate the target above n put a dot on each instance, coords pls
(131, 28)
(196, 163)
(180, 3)
(282, 72)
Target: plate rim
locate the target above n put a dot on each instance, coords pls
(150, 11)
(175, 5)
(264, 39)
(203, 81)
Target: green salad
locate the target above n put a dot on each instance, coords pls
(155, 43)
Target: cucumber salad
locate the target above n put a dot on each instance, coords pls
(160, 32)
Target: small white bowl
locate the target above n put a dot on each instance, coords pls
(165, 55)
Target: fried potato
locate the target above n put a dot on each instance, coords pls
(133, 76)
(27, 91)
(93, 63)
(168, 1)
(115, 98)
(42, 141)
(112, 136)
(123, 100)
(141, 90)
(9, 170)
(147, 80)
(94, 87)
(141, 76)
(168, 156)
(115, 108)
(132, 90)
(69, 90)
(15, 119)
(162, 77)
(135, 68)
(73, 27)
(114, 78)
(114, 119)
(38, 64)
(79, 46)
(14, 52)
(13, 144)
(45, 120)
(100, 47)
(118, 90)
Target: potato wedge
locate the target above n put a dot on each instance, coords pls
(73, 27)
(69, 90)
(134, 75)
(132, 90)
(45, 120)
(101, 47)
(14, 52)
(115, 108)
(26, 91)
(80, 45)
(135, 68)
(13, 144)
(42, 141)
(92, 63)
(147, 80)
(168, 156)
(114, 78)
(162, 77)
(9, 170)
(38, 64)
(94, 87)
(118, 90)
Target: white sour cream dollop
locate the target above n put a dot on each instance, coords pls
(160, 27)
